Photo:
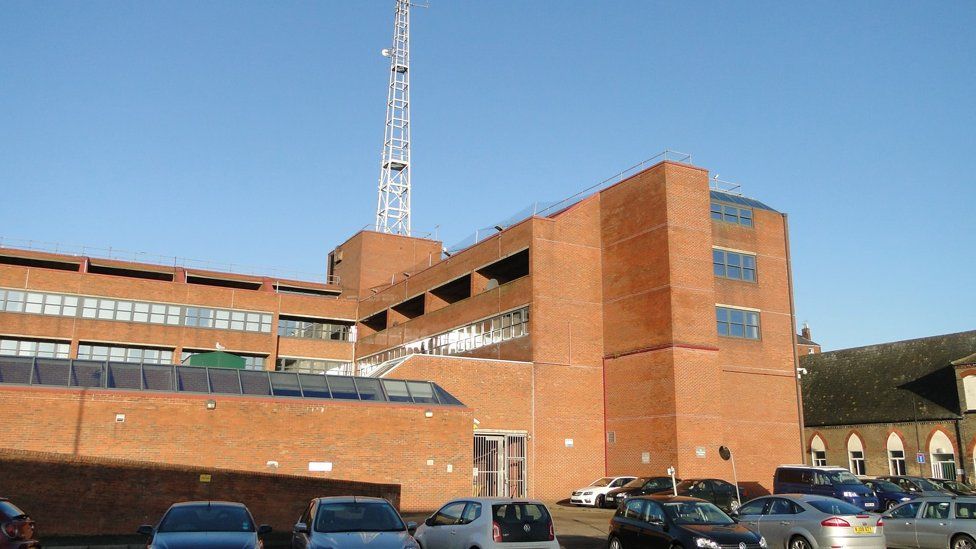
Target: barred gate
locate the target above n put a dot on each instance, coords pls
(499, 465)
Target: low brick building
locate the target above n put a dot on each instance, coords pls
(907, 407)
(618, 333)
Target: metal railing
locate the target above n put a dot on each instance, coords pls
(545, 209)
(89, 374)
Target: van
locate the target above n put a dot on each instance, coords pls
(835, 482)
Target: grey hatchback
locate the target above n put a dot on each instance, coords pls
(936, 522)
(805, 521)
(352, 522)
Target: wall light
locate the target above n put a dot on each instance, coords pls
(428, 413)
(211, 404)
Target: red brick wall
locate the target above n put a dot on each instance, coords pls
(120, 495)
(366, 442)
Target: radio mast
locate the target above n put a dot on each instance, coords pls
(393, 205)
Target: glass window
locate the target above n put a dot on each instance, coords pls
(936, 510)
(835, 507)
(731, 214)
(908, 510)
(471, 513)
(966, 511)
(449, 514)
(634, 509)
(754, 507)
(737, 323)
(781, 507)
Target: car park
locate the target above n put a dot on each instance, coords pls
(17, 529)
(723, 494)
(804, 521)
(663, 521)
(835, 482)
(932, 522)
(917, 485)
(595, 494)
(349, 522)
(888, 493)
(953, 486)
(205, 524)
(487, 523)
(640, 486)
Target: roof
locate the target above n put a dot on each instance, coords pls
(350, 499)
(205, 502)
(805, 341)
(741, 200)
(888, 382)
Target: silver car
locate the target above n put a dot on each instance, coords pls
(488, 523)
(352, 522)
(803, 521)
(933, 522)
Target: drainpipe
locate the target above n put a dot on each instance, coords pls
(796, 357)
(961, 472)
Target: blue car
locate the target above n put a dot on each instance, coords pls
(889, 494)
(834, 482)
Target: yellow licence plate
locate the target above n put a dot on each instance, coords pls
(864, 529)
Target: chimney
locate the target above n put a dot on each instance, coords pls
(805, 332)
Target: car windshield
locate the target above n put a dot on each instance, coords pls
(926, 485)
(637, 482)
(886, 486)
(605, 481)
(957, 486)
(206, 518)
(835, 507)
(10, 510)
(696, 512)
(840, 478)
(357, 516)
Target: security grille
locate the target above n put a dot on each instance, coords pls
(499, 465)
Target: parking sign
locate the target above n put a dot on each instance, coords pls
(920, 457)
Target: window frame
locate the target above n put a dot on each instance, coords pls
(733, 214)
(730, 324)
(742, 257)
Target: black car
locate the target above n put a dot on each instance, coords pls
(719, 492)
(917, 485)
(953, 486)
(662, 522)
(205, 524)
(640, 486)
(17, 530)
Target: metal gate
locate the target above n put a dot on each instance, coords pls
(499, 465)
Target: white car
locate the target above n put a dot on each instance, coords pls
(595, 493)
(488, 523)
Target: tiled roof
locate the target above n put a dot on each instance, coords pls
(804, 341)
(880, 383)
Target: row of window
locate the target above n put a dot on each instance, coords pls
(940, 455)
(466, 338)
(142, 355)
(313, 366)
(732, 322)
(313, 329)
(17, 301)
(33, 347)
(734, 265)
(732, 214)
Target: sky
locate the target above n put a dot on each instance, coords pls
(250, 132)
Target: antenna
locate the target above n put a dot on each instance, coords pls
(393, 204)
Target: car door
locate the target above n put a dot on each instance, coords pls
(442, 527)
(724, 494)
(822, 485)
(653, 534)
(750, 513)
(899, 527)
(932, 527)
(630, 522)
(467, 528)
(777, 521)
(299, 540)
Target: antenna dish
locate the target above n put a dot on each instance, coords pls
(385, 52)
(492, 284)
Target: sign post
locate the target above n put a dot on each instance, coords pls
(726, 454)
(674, 485)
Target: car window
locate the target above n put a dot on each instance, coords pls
(358, 516)
(449, 514)
(633, 509)
(652, 512)
(657, 484)
(835, 507)
(936, 510)
(908, 510)
(781, 506)
(723, 489)
(789, 475)
(754, 507)
(9, 510)
(206, 518)
(471, 513)
(966, 510)
(306, 516)
(619, 482)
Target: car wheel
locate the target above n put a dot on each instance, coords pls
(799, 542)
(600, 502)
(962, 541)
(615, 543)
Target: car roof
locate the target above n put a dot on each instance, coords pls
(798, 497)
(667, 498)
(349, 499)
(814, 467)
(205, 502)
(500, 500)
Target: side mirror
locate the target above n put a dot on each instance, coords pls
(301, 528)
(429, 521)
(264, 529)
(145, 530)
(734, 513)
(885, 517)
(411, 528)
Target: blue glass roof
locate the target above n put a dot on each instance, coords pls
(736, 199)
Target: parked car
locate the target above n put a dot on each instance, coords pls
(595, 494)
(352, 522)
(918, 485)
(932, 522)
(719, 492)
(487, 523)
(205, 524)
(640, 486)
(663, 521)
(804, 521)
(953, 486)
(888, 493)
(17, 530)
(835, 482)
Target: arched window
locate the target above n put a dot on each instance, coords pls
(896, 455)
(969, 387)
(943, 457)
(818, 452)
(855, 455)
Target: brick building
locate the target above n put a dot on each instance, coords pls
(895, 408)
(632, 330)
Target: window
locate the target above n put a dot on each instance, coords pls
(936, 510)
(313, 366)
(471, 513)
(908, 510)
(819, 458)
(653, 512)
(34, 347)
(965, 510)
(737, 322)
(731, 214)
(782, 507)
(114, 353)
(855, 452)
(896, 455)
(753, 507)
(310, 328)
(449, 514)
(633, 509)
(943, 456)
(734, 265)
(969, 386)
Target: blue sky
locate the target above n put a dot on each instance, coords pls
(249, 132)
